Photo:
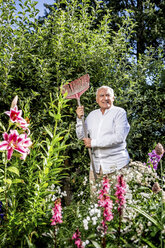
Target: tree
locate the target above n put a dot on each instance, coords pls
(148, 16)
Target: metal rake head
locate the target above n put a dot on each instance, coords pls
(77, 87)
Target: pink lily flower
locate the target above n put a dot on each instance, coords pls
(14, 141)
(16, 117)
(14, 114)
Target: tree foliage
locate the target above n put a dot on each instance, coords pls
(36, 58)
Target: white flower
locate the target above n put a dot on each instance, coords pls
(83, 244)
(94, 220)
(85, 181)
(146, 195)
(64, 193)
(87, 242)
(98, 213)
(37, 187)
(85, 222)
(92, 212)
(54, 198)
(88, 218)
(141, 226)
(52, 187)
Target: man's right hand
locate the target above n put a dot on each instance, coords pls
(80, 112)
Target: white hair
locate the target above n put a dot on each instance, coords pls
(107, 88)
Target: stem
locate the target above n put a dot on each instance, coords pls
(104, 242)
(5, 190)
(10, 124)
(55, 238)
(58, 113)
(104, 237)
(119, 228)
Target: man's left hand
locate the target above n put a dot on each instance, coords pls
(87, 142)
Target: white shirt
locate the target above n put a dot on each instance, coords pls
(108, 134)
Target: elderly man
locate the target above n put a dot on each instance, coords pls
(108, 129)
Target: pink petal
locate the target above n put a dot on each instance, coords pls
(21, 120)
(74, 236)
(20, 150)
(19, 113)
(15, 108)
(9, 153)
(27, 143)
(7, 113)
(5, 136)
(23, 136)
(14, 132)
(3, 145)
(23, 156)
(28, 131)
(13, 136)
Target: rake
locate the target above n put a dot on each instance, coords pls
(74, 90)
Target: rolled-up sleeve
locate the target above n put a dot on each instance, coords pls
(79, 129)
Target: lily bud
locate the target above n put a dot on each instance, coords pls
(156, 188)
(14, 102)
(159, 149)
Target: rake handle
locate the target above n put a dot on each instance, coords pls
(86, 136)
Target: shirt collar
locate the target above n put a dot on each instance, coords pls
(107, 110)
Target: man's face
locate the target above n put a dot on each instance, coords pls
(104, 99)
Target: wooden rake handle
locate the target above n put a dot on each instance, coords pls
(86, 136)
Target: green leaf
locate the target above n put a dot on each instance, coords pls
(126, 244)
(35, 93)
(48, 132)
(13, 169)
(147, 216)
(2, 126)
(46, 170)
(51, 114)
(149, 243)
(18, 180)
(9, 181)
(1, 189)
(45, 185)
(95, 244)
(91, 236)
(30, 245)
(57, 116)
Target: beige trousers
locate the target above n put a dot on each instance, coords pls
(111, 176)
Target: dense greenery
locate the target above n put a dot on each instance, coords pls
(36, 58)
(148, 16)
